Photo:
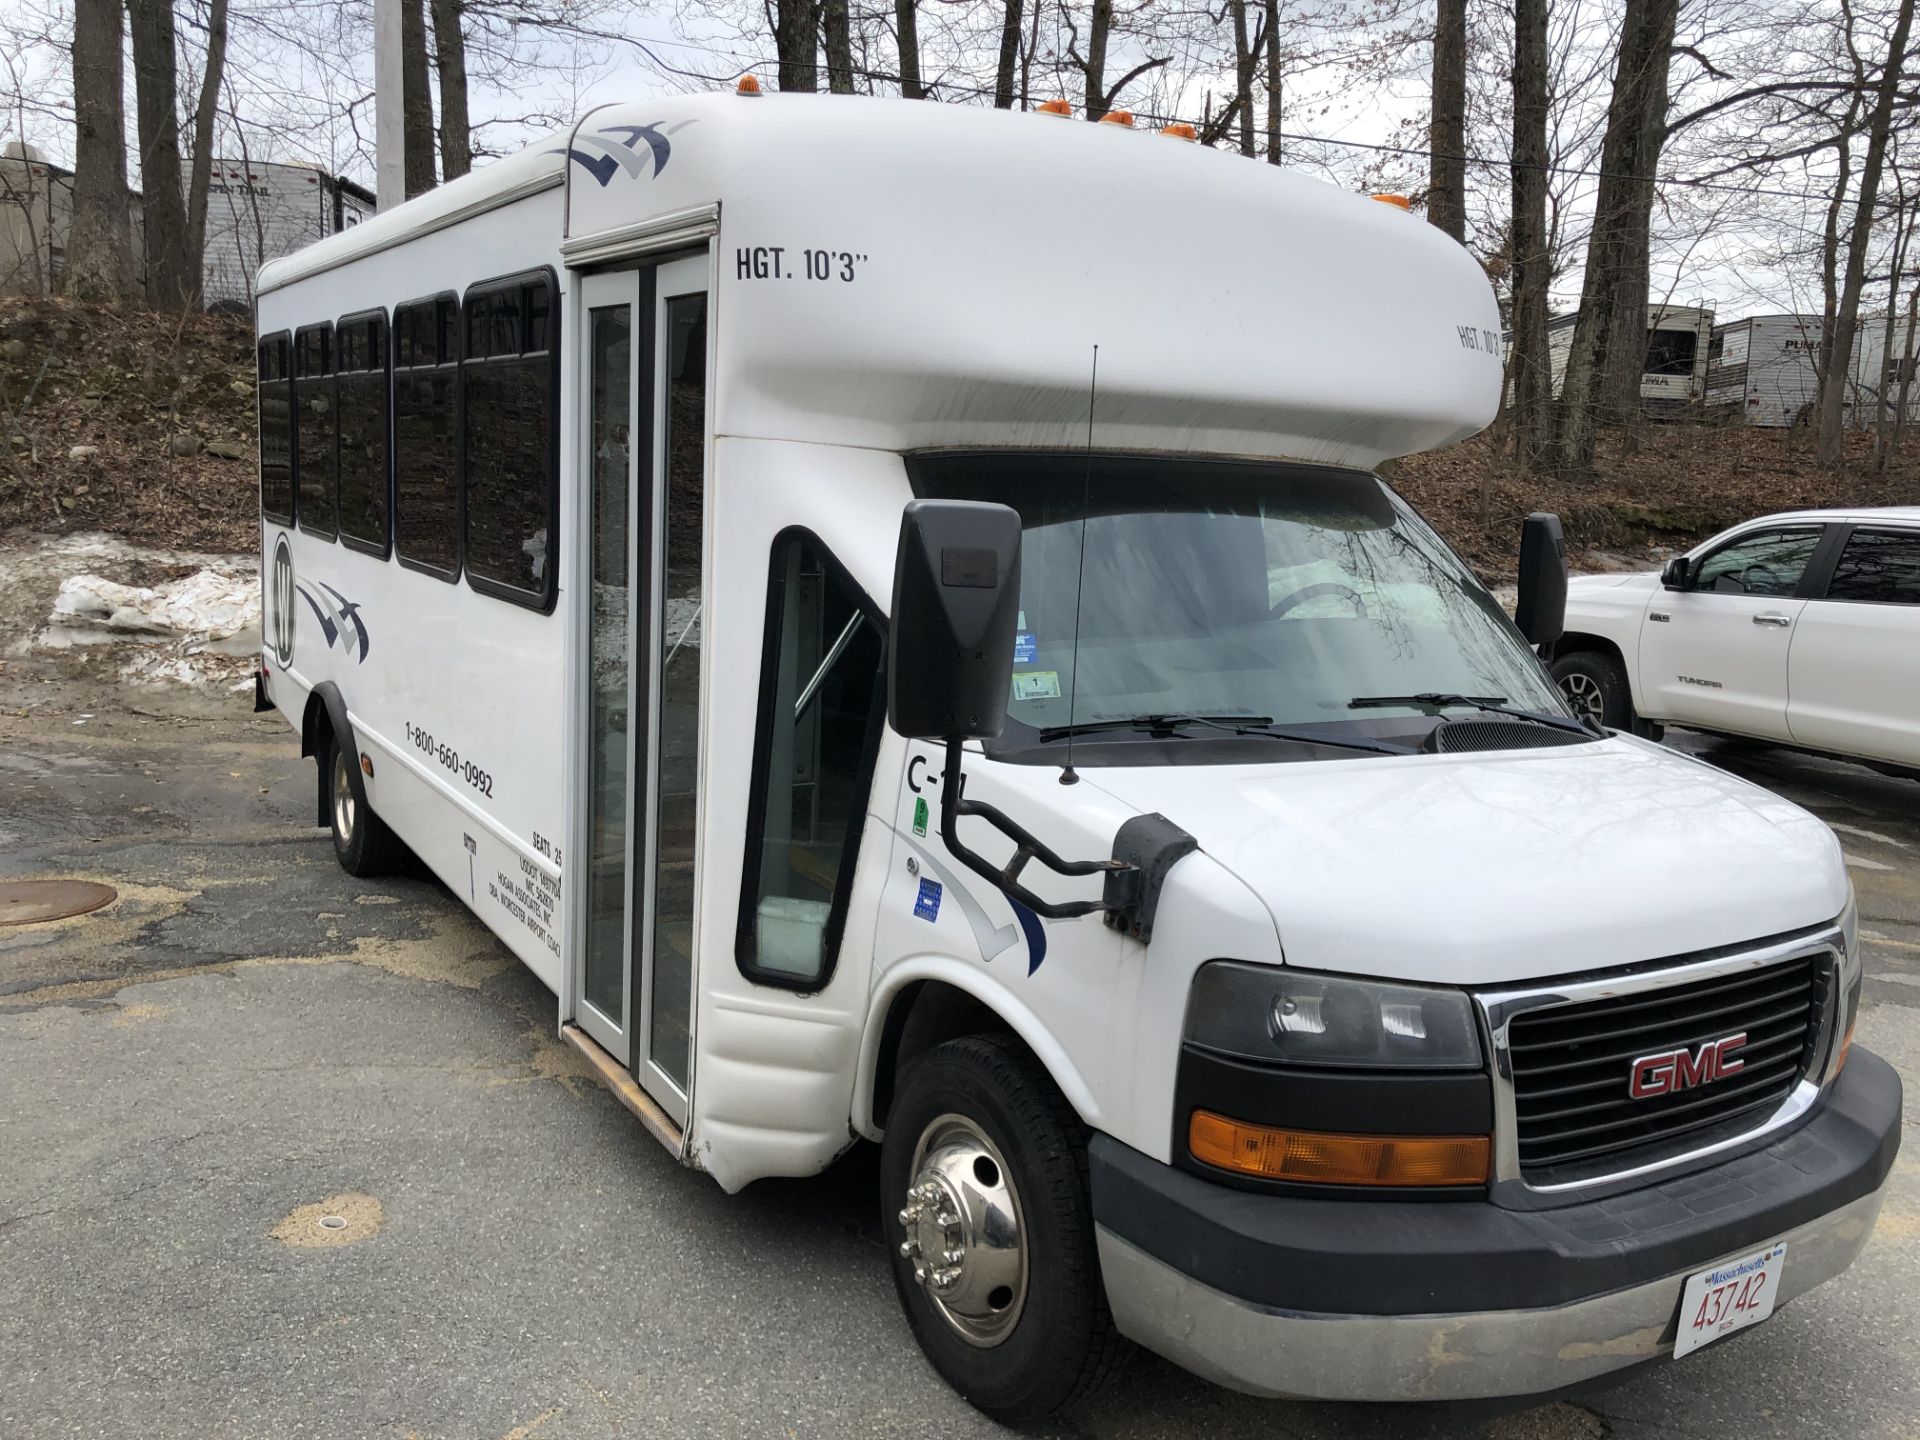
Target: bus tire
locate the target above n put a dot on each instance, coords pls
(362, 843)
(1019, 1329)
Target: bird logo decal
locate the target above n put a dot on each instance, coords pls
(607, 152)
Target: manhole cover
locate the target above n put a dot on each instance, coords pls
(26, 902)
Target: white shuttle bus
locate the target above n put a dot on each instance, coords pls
(661, 524)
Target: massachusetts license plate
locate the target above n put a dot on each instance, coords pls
(1728, 1297)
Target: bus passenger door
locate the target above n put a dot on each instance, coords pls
(642, 341)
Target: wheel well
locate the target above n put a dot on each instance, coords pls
(316, 726)
(925, 1014)
(1576, 642)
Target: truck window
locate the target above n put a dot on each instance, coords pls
(276, 429)
(361, 385)
(510, 452)
(1881, 566)
(426, 435)
(1770, 562)
(821, 704)
(315, 458)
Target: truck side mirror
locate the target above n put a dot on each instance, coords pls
(956, 597)
(1674, 575)
(1541, 612)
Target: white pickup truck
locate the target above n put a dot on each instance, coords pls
(1801, 628)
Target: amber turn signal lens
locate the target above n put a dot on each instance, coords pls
(1317, 1158)
(1053, 107)
(1846, 1049)
(748, 85)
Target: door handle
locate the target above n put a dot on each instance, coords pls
(1772, 617)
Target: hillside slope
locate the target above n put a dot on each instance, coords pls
(142, 425)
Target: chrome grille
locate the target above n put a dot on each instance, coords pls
(1572, 1064)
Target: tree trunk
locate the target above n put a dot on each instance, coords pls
(1003, 80)
(796, 44)
(100, 233)
(1243, 68)
(836, 29)
(200, 166)
(163, 234)
(1273, 81)
(1529, 374)
(450, 59)
(1606, 346)
(1883, 391)
(1447, 130)
(416, 102)
(1100, 25)
(1829, 446)
(906, 24)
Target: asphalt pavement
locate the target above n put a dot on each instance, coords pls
(249, 1040)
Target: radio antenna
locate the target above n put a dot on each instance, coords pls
(1070, 776)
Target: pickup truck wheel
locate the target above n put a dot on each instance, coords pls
(362, 842)
(1595, 686)
(984, 1203)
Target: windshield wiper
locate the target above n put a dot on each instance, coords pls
(1232, 724)
(1493, 704)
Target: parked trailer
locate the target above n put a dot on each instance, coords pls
(1761, 369)
(1673, 378)
(908, 659)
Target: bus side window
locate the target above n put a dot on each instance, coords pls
(822, 707)
(361, 385)
(276, 430)
(510, 447)
(426, 436)
(315, 439)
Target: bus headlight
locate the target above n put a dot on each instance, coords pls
(1291, 1017)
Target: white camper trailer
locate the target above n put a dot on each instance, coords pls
(1674, 376)
(908, 656)
(1764, 371)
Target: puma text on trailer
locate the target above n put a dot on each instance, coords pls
(684, 537)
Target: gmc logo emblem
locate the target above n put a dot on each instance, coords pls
(1673, 1070)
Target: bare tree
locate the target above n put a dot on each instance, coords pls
(1099, 28)
(163, 235)
(1829, 446)
(906, 26)
(416, 100)
(795, 40)
(1003, 96)
(100, 235)
(450, 60)
(1447, 132)
(1271, 18)
(1529, 247)
(1245, 59)
(200, 164)
(836, 31)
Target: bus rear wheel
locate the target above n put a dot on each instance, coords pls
(984, 1200)
(362, 842)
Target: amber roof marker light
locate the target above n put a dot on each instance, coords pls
(749, 85)
(1054, 107)
(1399, 202)
(1317, 1158)
(1180, 130)
(1117, 117)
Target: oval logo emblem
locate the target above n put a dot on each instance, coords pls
(280, 604)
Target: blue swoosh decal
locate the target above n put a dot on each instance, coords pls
(1036, 934)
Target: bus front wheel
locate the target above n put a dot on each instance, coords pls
(362, 843)
(984, 1201)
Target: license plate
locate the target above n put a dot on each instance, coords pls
(1728, 1297)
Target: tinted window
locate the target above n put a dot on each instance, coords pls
(314, 457)
(276, 429)
(1770, 562)
(819, 701)
(1879, 565)
(361, 386)
(426, 469)
(511, 459)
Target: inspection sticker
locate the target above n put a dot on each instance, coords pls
(919, 814)
(1036, 685)
(1025, 648)
(927, 906)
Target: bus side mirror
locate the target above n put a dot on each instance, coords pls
(1541, 612)
(956, 597)
(1674, 575)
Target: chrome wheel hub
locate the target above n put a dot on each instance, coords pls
(965, 1241)
(1585, 694)
(342, 796)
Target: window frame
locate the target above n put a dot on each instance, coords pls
(759, 779)
(287, 520)
(333, 390)
(456, 364)
(1813, 575)
(543, 604)
(380, 551)
(1843, 535)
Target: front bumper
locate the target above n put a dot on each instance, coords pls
(1393, 1300)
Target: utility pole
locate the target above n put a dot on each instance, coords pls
(389, 109)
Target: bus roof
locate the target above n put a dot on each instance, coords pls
(907, 274)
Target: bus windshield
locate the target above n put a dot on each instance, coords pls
(1222, 588)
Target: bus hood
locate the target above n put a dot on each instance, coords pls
(1494, 868)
